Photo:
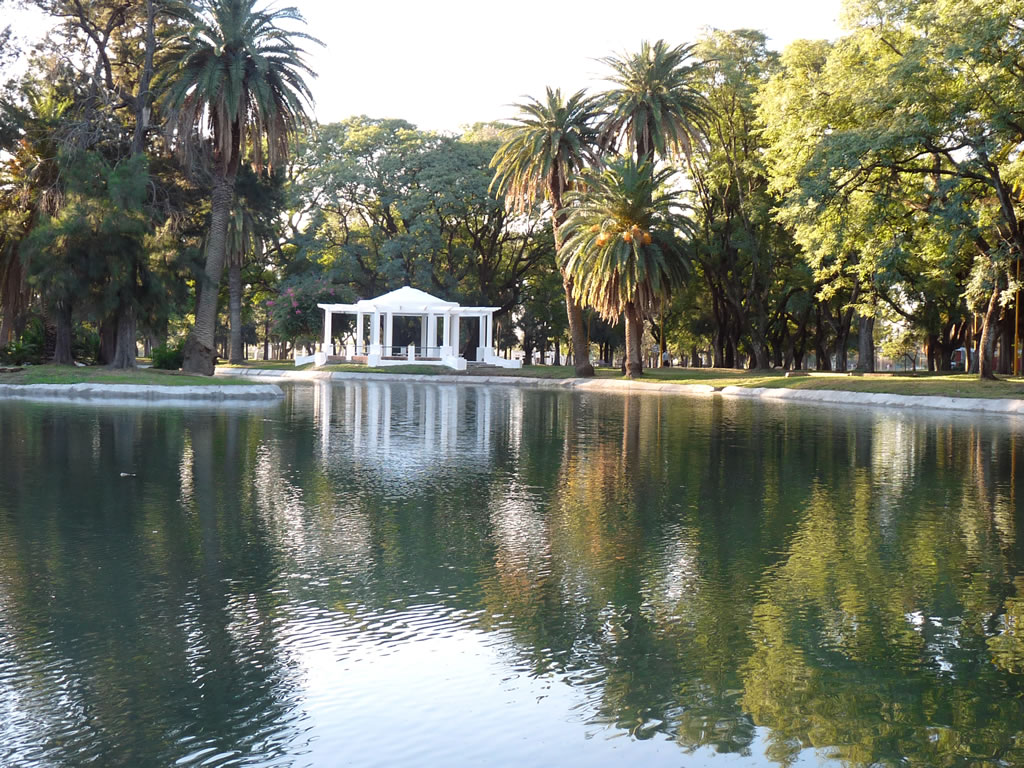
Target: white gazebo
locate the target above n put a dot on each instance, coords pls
(381, 312)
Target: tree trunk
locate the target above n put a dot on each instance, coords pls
(199, 356)
(662, 347)
(62, 348)
(1004, 335)
(822, 361)
(866, 344)
(108, 340)
(761, 357)
(125, 349)
(634, 337)
(235, 311)
(985, 343)
(694, 357)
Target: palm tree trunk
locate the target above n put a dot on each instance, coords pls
(577, 331)
(199, 354)
(235, 310)
(634, 335)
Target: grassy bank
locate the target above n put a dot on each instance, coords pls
(932, 384)
(937, 385)
(66, 374)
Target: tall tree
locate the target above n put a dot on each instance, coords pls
(239, 77)
(550, 142)
(622, 246)
(746, 256)
(914, 116)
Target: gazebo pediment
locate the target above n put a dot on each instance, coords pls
(406, 297)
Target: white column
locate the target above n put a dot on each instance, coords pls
(446, 335)
(389, 327)
(490, 331)
(423, 331)
(432, 331)
(359, 333)
(481, 349)
(327, 331)
(455, 335)
(373, 353)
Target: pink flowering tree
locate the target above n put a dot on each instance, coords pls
(294, 314)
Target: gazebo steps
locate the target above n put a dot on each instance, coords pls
(484, 369)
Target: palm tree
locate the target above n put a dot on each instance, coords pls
(237, 77)
(550, 142)
(622, 246)
(655, 106)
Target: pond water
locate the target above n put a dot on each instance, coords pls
(382, 574)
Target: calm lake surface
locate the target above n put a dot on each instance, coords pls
(378, 574)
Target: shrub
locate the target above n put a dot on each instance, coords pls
(20, 352)
(168, 357)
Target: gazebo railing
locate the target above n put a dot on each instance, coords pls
(355, 349)
(412, 351)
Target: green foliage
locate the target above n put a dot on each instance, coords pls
(900, 341)
(88, 249)
(21, 352)
(168, 357)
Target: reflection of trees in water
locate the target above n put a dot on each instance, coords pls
(870, 638)
(133, 626)
(691, 568)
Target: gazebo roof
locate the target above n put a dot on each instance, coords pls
(406, 301)
(406, 297)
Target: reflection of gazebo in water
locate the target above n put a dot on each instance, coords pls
(432, 312)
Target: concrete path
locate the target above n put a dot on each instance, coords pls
(811, 396)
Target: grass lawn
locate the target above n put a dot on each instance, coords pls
(66, 374)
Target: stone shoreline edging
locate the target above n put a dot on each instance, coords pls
(158, 393)
(807, 396)
(879, 399)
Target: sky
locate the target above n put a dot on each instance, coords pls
(445, 64)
